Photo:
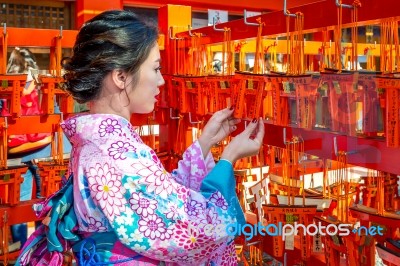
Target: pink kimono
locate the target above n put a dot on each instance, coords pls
(130, 211)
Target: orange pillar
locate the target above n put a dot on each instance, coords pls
(87, 9)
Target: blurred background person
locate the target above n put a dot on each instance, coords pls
(22, 61)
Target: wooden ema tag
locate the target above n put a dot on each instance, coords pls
(305, 107)
(388, 83)
(370, 104)
(370, 107)
(172, 98)
(191, 94)
(253, 94)
(268, 107)
(238, 98)
(220, 92)
(317, 243)
(212, 94)
(277, 240)
(175, 93)
(332, 245)
(273, 87)
(392, 117)
(305, 238)
(178, 93)
(342, 107)
(290, 214)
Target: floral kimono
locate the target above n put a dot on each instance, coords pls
(126, 209)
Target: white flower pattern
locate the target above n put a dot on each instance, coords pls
(106, 187)
(119, 149)
(153, 227)
(156, 178)
(142, 205)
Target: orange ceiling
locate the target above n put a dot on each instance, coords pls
(234, 6)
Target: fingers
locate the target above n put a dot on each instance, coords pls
(259, 137)
(223, 114)
(233, 121)
(250, 128)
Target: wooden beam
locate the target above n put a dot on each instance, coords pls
(317, 16)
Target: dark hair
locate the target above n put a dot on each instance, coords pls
(21, 60)
(114, 39)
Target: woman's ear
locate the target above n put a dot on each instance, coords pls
(119, 78)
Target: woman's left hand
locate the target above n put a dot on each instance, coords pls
(220, 125)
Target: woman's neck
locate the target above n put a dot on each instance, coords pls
(108, 105)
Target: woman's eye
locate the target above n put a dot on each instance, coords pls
(158, 69)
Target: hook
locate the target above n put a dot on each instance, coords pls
(335, 148)
(191, 34)
(190, 31)
(173, 117)
(215, 27)
(170, 29)
(285, 11)
(193, 122)
(284, 136)
(339, 4)
(170, 33)
(246, 22)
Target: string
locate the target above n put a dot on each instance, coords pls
(259, 56)
(338, 39)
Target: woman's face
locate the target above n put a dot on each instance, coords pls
(144, 94)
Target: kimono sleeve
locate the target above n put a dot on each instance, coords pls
(156, 216)
(193, 167)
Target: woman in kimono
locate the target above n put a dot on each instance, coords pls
(120, 206)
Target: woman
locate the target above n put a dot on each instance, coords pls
(22, 61)
(127, 210)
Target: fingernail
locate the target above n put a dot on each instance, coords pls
(254, 120)
(252, 137)
(232, 107)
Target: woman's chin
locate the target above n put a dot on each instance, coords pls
(144, 110)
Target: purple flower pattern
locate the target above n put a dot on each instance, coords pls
(109, 127)
(193, 208)
(69, 127)
(96, 226)
(219, 200)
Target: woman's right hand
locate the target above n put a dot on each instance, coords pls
(245, 144)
